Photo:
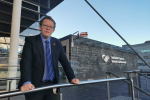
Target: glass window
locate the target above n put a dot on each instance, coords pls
(144, 51)
(30, 6)
(28, 32)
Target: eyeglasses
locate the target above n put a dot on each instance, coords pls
(46, 26)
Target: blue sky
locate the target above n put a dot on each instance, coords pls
(131, 18)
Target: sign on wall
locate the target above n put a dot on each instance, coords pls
(113, 59)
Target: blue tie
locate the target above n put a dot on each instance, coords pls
(49, 61)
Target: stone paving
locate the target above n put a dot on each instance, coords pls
(118, 91)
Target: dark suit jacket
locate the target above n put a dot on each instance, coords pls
(33, 62)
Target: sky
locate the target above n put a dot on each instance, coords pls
(130, 18)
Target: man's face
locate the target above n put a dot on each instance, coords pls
(47, 28)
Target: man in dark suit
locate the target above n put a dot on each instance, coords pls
(39, 63)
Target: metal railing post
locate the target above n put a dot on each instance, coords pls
(108, 92)
(129, 86)
(60, 96)
(137, 85)
(139, 78)
(146, 81)
(132, 88)
(9, 87)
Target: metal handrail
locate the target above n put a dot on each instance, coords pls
(11, 78)
(143, 75)
(7, 65)
(145, 92)
(133, 71)
(67, 85)
(137, 72)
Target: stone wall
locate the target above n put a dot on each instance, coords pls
(91, 65)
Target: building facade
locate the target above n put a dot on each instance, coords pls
(144, 50)
(91, 59)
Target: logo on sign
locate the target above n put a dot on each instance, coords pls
(114, 59)
(105, 58)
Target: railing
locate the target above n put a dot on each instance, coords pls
(10, 80)
(139, 73)
(129, 84)
(68, 84)
(138, 79)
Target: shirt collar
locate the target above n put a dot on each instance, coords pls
(43, 39)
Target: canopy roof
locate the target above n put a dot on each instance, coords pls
(29, 13)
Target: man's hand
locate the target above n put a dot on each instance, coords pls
(75, 81)
(27, 87)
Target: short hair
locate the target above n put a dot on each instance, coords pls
(50, 18)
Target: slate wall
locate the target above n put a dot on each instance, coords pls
(91, 65)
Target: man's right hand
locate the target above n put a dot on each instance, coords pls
(27, 87)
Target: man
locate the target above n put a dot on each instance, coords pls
(39, 63)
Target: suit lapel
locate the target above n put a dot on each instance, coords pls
(41, 49)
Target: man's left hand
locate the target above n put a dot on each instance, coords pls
(75, 81)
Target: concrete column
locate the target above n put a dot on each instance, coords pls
(14, 42)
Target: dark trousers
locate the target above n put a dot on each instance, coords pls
(41, 95)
